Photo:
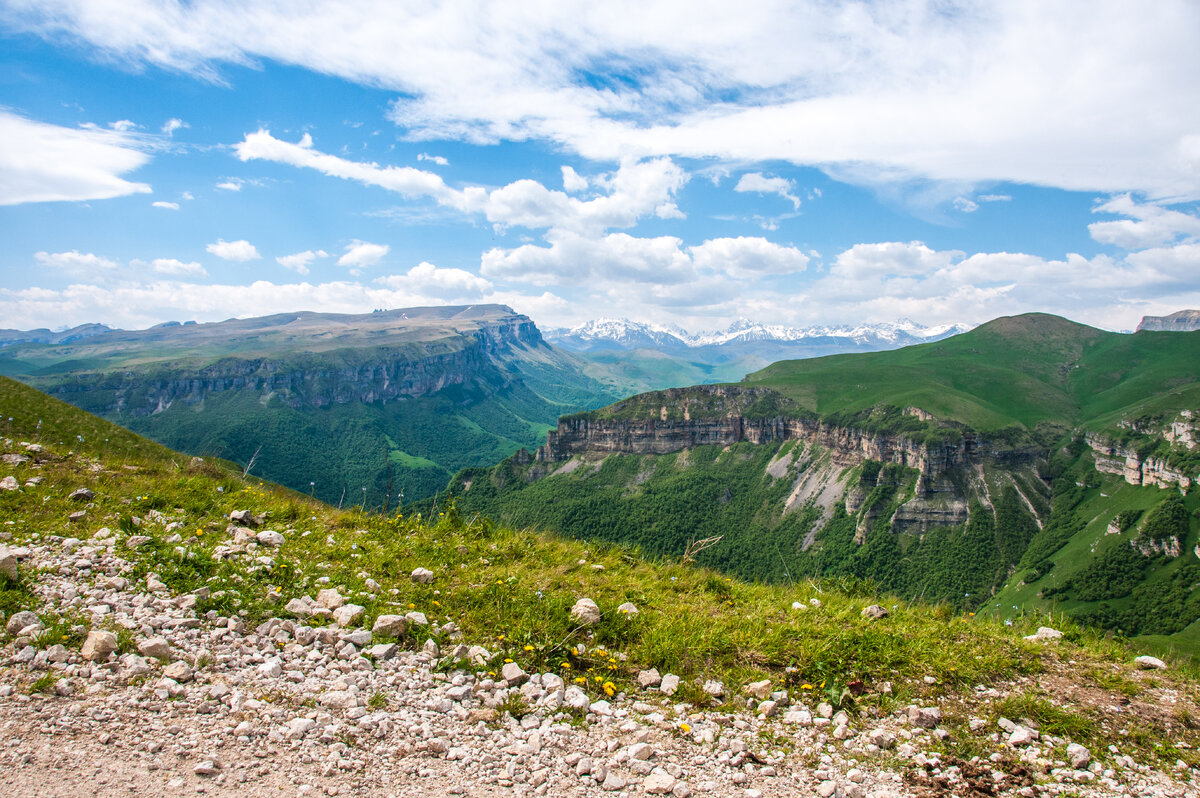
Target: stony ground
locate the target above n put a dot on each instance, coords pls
(173, 702)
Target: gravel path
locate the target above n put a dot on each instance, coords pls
(211, 706)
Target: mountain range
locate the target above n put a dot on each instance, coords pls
(369, 408)
(1029, 463)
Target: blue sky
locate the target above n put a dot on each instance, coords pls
(677, 163)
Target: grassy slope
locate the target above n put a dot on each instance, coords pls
(1014, 370)
(511, 591)
(332, 452)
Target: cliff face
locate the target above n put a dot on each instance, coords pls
(315, 380)
(1180, 321)
(1113, 458)
(848, 446)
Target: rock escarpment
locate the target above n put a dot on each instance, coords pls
(312, 379)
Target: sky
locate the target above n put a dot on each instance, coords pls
(684, 163)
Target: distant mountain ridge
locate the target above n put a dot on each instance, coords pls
(391, 401)
(609, 333)
(1179, 321)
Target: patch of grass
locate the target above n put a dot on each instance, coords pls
(1051, 719)
(514, 704)
(44, 684)
(377, 701)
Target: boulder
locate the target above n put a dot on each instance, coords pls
(1044, 633)
(628, 608)
(98, 645)
(1079, 756)
(330, 598)
(586, 612)
(512, 673)
(875, 612)
(422, 576)
(389, 625)
(348, 614)
(650, 678)
(670, 683)
(8, 564)
(1150, 663)
(759, 690)
(9, 483)
(155, 647)
(82, 495)
(269, 537)
(924, 717)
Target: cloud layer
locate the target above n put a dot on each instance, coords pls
(883, 92)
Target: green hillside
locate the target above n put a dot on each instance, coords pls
(510, 592)
(1021, 370)
(1023, 526)
(365, 409)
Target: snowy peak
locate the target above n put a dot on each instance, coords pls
(623, 334)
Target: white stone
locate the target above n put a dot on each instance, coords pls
(650, 678)
(178, 671)
(759, 690)
(330, 598)
(269, 537)
(1044, 633)
(1150, 663)
(1078, 756)
(659, 782)
(422, 576)
(628, 608)
(586, 612)
(389, 625)
(348, 614)
(155, 647)
(98, 645)
(670, 683)
(512, 673)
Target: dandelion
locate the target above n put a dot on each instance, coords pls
(806, 686)
(609, 689)
(199, 532)
(580, 680)
(566, 666)
(506, 661)
(685, 728)
(599, 679)
(412, 606)
(501, 637)
(529, 648)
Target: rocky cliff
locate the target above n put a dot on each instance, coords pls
(312, 379)
(674, 428)
(1180, 321)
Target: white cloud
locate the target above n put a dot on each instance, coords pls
(361, 254)
(174, 266)
(123, 126)
(748, 257)
(229, 185)
(637, 189)
(761, 184)
(139, 305)
(170, 206)
(300, 261)
(899, 87)
(994, 198)
(241, 250)
(966, 205)
(47, 163)
(573, 182)
(1149, 224)
(75, 262)
(437, 159)
(171, 125)
(428, 280)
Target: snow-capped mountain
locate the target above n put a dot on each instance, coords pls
(623, 334)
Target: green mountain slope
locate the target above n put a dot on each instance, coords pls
(505, 595)
(368, 409)
(952, 471)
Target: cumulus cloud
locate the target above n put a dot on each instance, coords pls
(573, 182)
(171, 125)
(174, 266)
(241, 250)
(428, 280)
(900, 87)
(46, 163)
(229, 185)
(1148, 225)
(75, 262)
(361, 254)
(748, 257)
(139, 305)
(437, 159)
(635, 190)
(300, 261)
(761, 184)
(170, 206)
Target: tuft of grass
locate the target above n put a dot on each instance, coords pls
(1051, 719)
(377, 701)
(514, 704)
(44, 684)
